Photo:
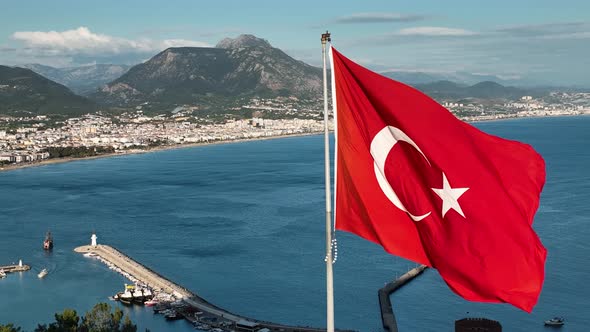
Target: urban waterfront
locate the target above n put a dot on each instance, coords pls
(242, 225)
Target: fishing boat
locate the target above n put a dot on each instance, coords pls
(134, 294)
(146, 293)
(42, 274)
(124, 297)
(48, 242)
(555, 321)
(125, 301)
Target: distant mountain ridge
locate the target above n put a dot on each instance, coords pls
(461, 77)
(482, 90)
(24, 91)
(244, 66)
(83, 79)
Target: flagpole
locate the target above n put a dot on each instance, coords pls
(329, 262)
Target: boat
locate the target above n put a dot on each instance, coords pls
(173, 315)
(135, 294)
(125, 297)
(2, 274)
(146, 293)
(125, 301)
(555, 321)
(48, 242)
(42, 274)
(202, 327)
(160, 308)
(150, 303)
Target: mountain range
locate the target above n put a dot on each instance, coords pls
(211, 78)
(84, 79)
(460, 77)
(24, 92)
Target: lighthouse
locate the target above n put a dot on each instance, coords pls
(93, 240)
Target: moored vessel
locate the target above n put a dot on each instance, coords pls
(2, 274)
(172, 315)
(134, 294)
(125, 297)
(150, 303)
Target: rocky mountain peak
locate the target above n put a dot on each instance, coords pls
(243, 41)
(239, 67)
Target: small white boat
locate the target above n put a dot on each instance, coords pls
(2, 274)
(42, 274)
(555, 321)
(150, 303)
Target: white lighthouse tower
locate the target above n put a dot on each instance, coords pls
(93, 240)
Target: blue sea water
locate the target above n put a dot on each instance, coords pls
(243, 226)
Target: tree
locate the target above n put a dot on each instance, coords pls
(41, 328)
(100, 319)
(67, 321)
(9, 328)
(128, 326)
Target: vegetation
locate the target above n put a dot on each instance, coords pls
(78, 152)
(26, 93)
(100, 319)
(9, 328)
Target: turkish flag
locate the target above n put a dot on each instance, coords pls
(428, 187)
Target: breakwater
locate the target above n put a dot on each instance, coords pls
(15, 268)
(387, 315)
(193, 308)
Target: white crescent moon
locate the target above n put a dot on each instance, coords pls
(382, 143)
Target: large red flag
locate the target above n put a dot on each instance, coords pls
(428, 187)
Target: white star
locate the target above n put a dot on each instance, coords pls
(450, 196)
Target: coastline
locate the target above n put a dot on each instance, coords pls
(190, 145)
(525, 117)
(45, 162)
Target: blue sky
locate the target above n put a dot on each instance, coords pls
(544, 41)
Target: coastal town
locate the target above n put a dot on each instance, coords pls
(29, 140)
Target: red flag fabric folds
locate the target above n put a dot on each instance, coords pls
(428, 187)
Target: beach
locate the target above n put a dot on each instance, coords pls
(50, 161)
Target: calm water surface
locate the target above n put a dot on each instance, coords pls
(243, 226)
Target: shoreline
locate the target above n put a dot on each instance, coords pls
(241, 140)
(45, 162)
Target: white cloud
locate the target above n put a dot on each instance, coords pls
(434, 32)
(378, 18)
(84, 41)
(182, 43)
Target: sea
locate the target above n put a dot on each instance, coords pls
(242, 225)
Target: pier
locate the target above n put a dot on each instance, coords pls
(15, 268)
(387, 315)
(197, 310)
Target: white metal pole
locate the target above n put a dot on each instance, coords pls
(329, 272)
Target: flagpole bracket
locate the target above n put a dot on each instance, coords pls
(326, 37)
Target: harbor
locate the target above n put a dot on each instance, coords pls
(219, 252)
(175, 301)
(387, 315)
